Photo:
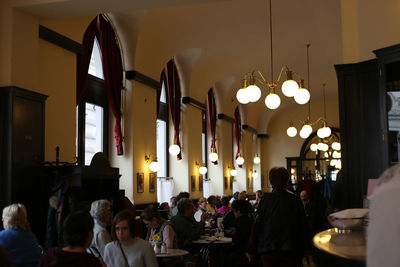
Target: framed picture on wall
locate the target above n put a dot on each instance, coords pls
(140, 182)
(225, 183)
(152, 182)
(200, 183)
(192, 183)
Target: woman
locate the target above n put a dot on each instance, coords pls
(158, 227)
(102, 214)
(225, 207)
(128, 249)
(77, 236)
(201, 209)
(20, 243)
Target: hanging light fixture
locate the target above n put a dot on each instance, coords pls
(324, 131)
(233, 172)
(203, 169)
(174, 150)
(213, 156)
(256, 159)
(240, 160)
(252, 93)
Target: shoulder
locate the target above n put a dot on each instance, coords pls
(111, 246)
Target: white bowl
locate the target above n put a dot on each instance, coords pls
(347, 219)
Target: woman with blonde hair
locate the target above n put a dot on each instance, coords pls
(20, 243)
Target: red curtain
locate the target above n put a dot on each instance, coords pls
(237, 130)
(112, 69)
(212, 118)
(171, 78)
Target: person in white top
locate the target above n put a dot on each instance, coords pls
(383, 236)
(101, 212)
(128, 250)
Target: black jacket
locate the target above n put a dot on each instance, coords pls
(280, 225)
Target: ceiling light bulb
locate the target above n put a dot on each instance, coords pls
(307, 128)
(327, 131)
(256, 160)
(241, 96)
(314, 147)
(333, 162)
(302, 96)
(291, 131)
(154, 166)
(174, 150)
(233, 172)
(254, 174)
(272, 101)
(323, 147)
(203, 170)
(240, 160)
(289, 88)
(304, 134)
(336, 145)
(213, 157)
(253, 93)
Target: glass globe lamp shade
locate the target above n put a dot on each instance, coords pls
(213, 157)
(324, 132)
(338, 164)
(307, 128)
(289, 88)
(326, 155)
(314, 147)
(333, 162)
(154, 166)
(254, 174)
(174, 150)
(256, 160)
(304, 134)
(272, 101)
(253, 93)
(323, 147)
(336, 146)
(291, 131)
(240, 160)
(241, 96)
(302, 96)
(233, 172)
(336, 155)
(203, 170)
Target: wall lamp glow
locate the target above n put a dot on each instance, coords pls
(154, 164)
(240, 160)
(256, 159)
(202, 168)
(174, 149)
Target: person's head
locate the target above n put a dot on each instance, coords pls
(186, 207)
(172, 201)
(202, 202)
(240, 208)
(78, 229)
(279, 177)
(15, 217)
(151, 217)
(304, 196)
(242, 195)
(225, 201)
(164, 206)
(236, 195)
(101, 210)
(182, 195)
(212, 200)
(259, 194)
(123, 227)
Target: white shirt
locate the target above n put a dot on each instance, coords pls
(139, 254)
(100, 238)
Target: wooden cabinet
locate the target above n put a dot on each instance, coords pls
(21, 143)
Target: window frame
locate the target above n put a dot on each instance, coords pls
(163, 115)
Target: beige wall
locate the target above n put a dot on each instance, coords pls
(6, 16)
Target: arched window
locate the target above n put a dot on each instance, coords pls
(162, 133)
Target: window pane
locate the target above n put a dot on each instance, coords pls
(96, 67)
(93, 131)
(162, 147)
(163, 96)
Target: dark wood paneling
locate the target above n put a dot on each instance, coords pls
(60, 40)
(222, 116)
(139, 77)
(193, 102)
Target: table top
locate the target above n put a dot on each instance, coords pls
(350, 245)
(173, 253)
(204, 239)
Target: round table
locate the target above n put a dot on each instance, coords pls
(172, 253)
(334, 246)
(212, 239)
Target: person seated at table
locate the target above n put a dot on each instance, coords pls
(279, 234)
(17, 239)
(222, 211)
(240, 233)
(210, 207)
(201, 209)
(173, 209)
(165, 210)
(234, 197)
(77, 236)
(259, 195)
(102, 214)
(186, 227)
(128, 249)
(158, 228)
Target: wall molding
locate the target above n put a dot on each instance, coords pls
(60, 40)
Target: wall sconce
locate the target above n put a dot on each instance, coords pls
(240, 160)
(233, 171)
(202, 168)
(254, 174)
(256, 159)
(154, 164)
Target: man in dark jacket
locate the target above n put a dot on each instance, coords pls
(279, 234)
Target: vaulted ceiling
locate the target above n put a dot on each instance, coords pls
(217, 42)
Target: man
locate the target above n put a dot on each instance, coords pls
(101, 212)
(173, 208)
(186, 228)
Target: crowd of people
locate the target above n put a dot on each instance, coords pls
(275, 229)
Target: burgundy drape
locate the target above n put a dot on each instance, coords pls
(237, 130)
(171, 78)
(112, 69)
(212, 118)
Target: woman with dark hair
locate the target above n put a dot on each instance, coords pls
(225, 206)
(128, 249)
(77, 236)
(279, 234)
(158, 227)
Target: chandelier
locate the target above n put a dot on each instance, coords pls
(250, 92)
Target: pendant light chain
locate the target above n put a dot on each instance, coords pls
(270, 36)
(309, 82)
(324, 84)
